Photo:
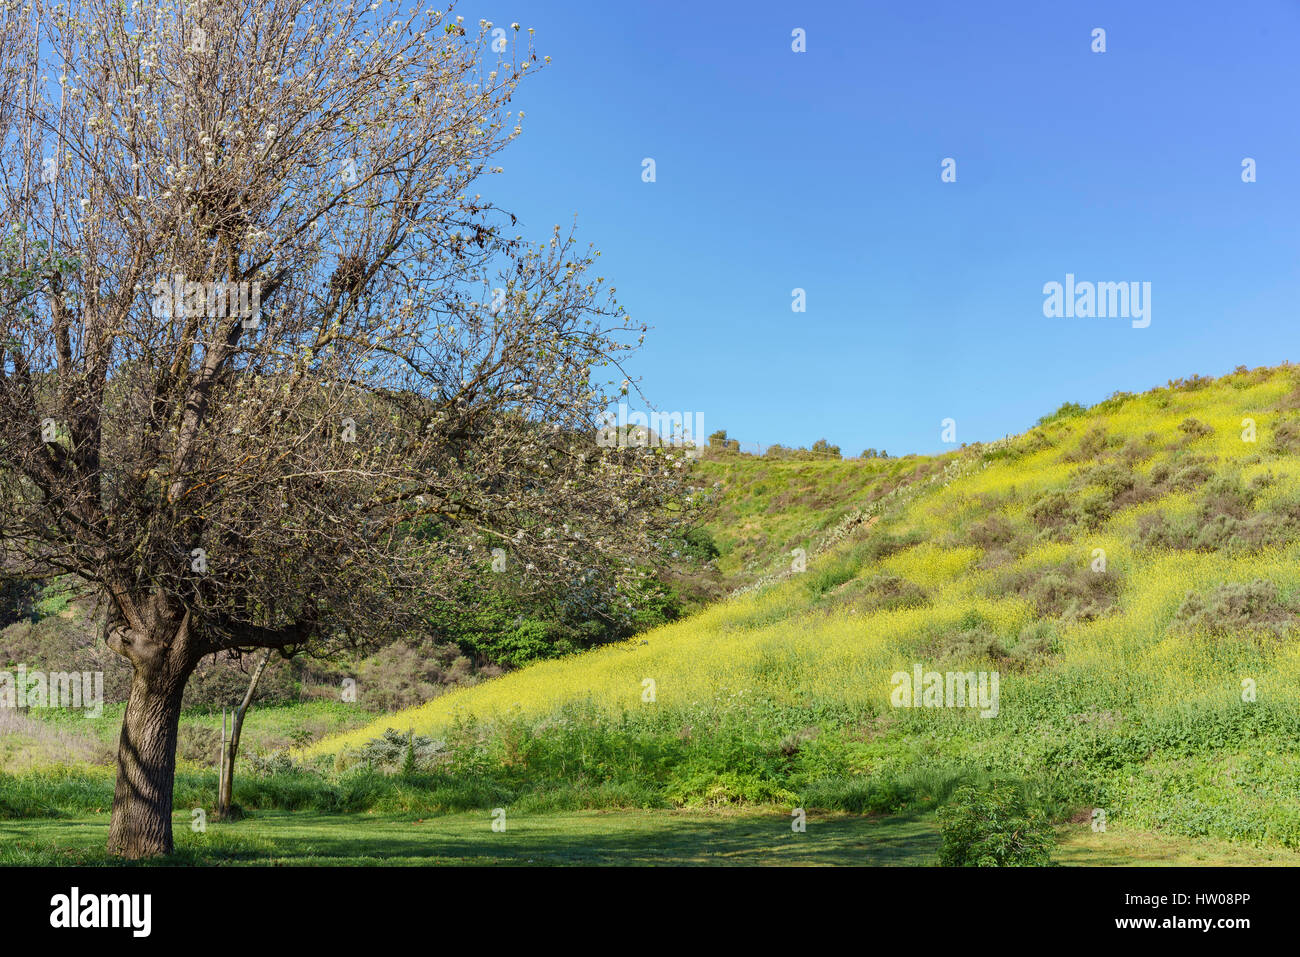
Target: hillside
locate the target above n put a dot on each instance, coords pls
(766, 508)
(1129, 571)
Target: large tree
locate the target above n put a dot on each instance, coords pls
(273, 373)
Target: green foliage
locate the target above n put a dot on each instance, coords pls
(1072, 591)
(889, 592)
(1225, 519)
(1194, 428)
(53, 599)
(994, 827)
(405, 752)
(829, 577)
(719, 443)
(1114, 403)
(824, 448)
(1236, 609)
(821, 451)
(695, 544)
(20, 283)
(1068, 410)
(494, 619)
(1286, 437)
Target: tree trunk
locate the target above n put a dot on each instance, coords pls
(226, 789)
(163, 652)
(146, 766)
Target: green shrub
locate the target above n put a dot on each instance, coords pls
(1115, 402)
(1091, 446)
(1072, 591)
(408, 752)
(1236, 608)
(696, 544)
(1286, 437)
(1181, 474)
(1054, 511)
(889, 592)
(1137, 450)
(966, 645)
(995, 533)
(882, 544)
(1037, 642)
(1224, 520)
(1194, 429)
(994, 827)
(1111, 476)
(1068, 410)
(829, 578)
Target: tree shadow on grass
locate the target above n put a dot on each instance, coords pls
(584, 838)
(623, 838)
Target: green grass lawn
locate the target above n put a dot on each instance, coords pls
(749, 837)
(1124, 847)
(578, 838)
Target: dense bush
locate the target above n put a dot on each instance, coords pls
(1093, 443)
(1194, 429)
(1037, 642)
(1225, 520)
(1235, 608)
(888, 592)
(821, 451)
(1192, 383)
(966, 645)
(1072, 591)
(1286, 437)
(405, 674)
(395, 751)
(1068, 410)
(994, 827)
(1181, 474)
(998, 538)
(881, 544)
(1138, 449)
(695, 544)
(971, 642)
(1055, 511)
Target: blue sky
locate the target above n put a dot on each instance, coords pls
(821, 170)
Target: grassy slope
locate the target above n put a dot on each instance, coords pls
(766, 508)
(73, 738)
(1129, 713)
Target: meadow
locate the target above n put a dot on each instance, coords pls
(1131, 572)
(740, 837)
